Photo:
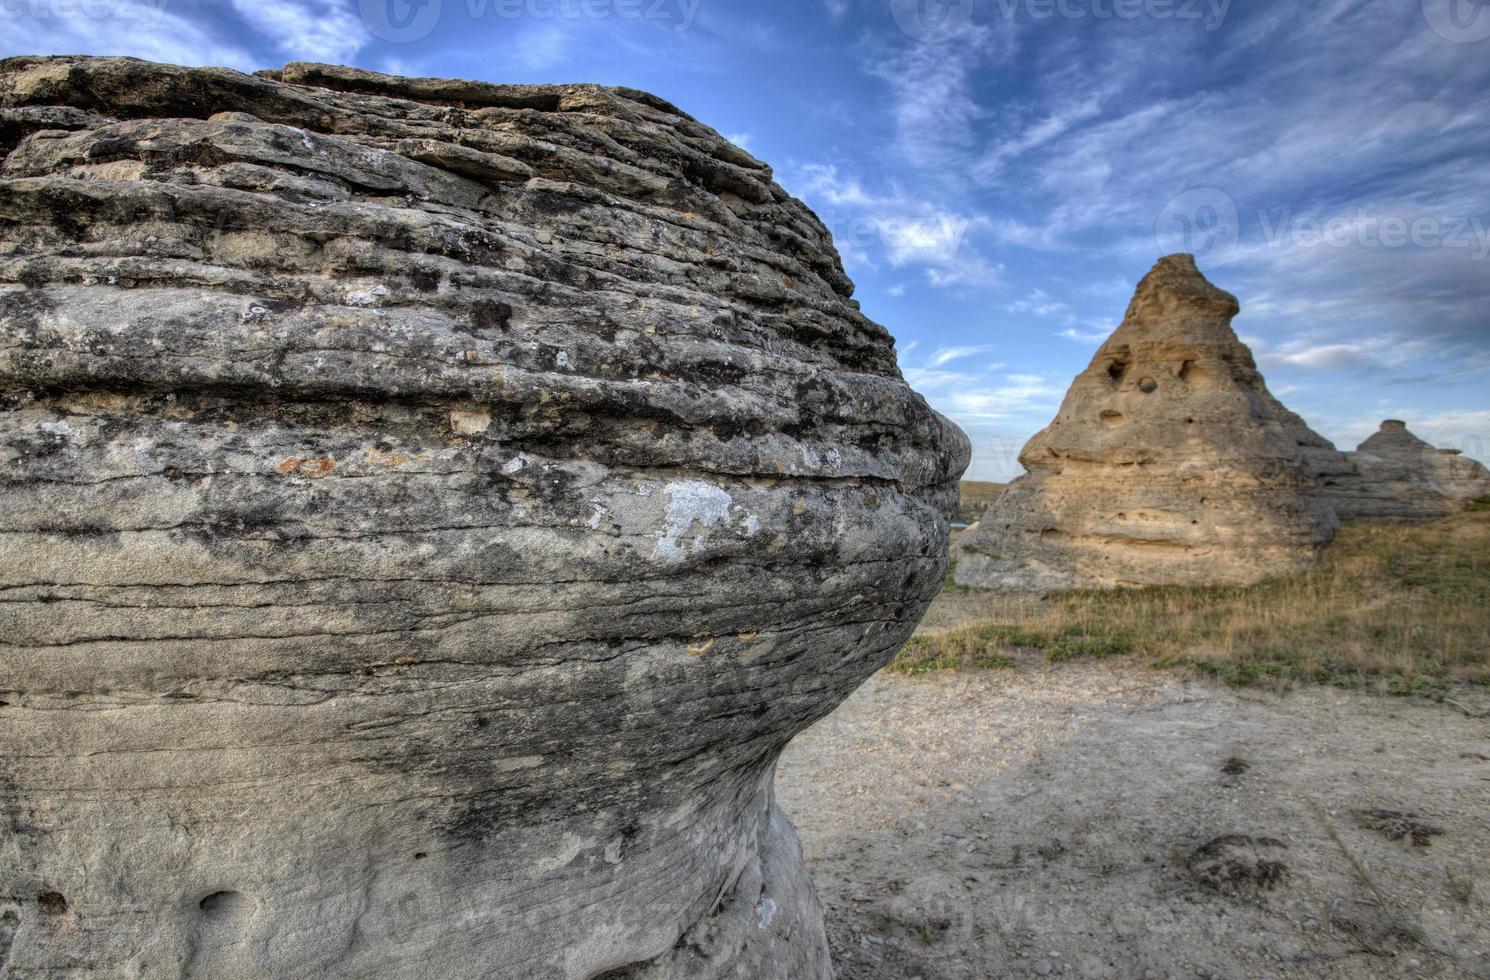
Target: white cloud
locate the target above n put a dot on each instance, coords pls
(1085, 337)
(1321, 356)
(936, 238)
(971, 398)
(146, 31)
(1313, 353)
(946, 355)
(907, 230)
(822, 181)
(1041, 304)
(837, 9)
(931, 96)
(968, 270)
(315, 30)
(742, 140)
(1020, 393)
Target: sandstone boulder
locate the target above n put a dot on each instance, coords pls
(1398, 477)
(429, 509)
(1170, 463)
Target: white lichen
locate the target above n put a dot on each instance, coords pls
(690, 502)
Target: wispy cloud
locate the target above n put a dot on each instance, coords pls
(901, 229)
(946, 355)
(1085, 336)
(316, 30)
(146, 30)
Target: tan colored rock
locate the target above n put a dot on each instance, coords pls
(1398, 477)
(1170, 463)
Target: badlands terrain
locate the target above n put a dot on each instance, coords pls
(1128, 813)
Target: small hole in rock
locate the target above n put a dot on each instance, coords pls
(1186, 370)
(1148, 386)
(1116, 370)
(223, 903)
(1112, 419)
(420, 855)
(52, 903)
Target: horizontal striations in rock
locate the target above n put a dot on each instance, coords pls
(430, 506)
(1398, 477)
(1170, 463)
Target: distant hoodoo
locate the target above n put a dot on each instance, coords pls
(1398, 477)
(429, 509)
(1170, 463)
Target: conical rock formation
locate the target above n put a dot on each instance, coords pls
(1170, 463)
(1398, 477)
(429, 509)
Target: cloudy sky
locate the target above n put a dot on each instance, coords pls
(999, 173)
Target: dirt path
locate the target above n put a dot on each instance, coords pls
(1042, 822)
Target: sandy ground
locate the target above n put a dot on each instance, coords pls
(1045, 821)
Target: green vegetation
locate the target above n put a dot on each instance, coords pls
(1460, 887)
(1401, 609)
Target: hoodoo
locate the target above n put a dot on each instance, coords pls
(429, 509)
(1170, 463)
(1398, 477)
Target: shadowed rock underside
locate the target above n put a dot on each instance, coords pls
(430, 507)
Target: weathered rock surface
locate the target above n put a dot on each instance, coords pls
(429, 508)
(1170, 463)
(1398, 477)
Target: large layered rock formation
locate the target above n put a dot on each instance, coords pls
(1398, 477)
(429, 508)
(1170, 463)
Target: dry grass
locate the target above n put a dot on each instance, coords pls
(975, 499)
(1406, 609)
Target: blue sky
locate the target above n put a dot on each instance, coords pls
(999, 173)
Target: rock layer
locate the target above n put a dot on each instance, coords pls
(1396, 476)
(1170, 463)
(430, 507)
